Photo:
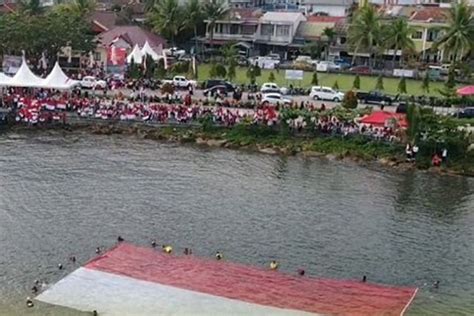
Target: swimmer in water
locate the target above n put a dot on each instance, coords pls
(301, 272)
(34, 289)
(364, 279)
(29, 302)
(436, 285)
(186, 251)
(167, 248)
(97, 250)
(219, 256)
(274, 265)
(60, 266)
(72, 259)
(120, 239)
(153, 243)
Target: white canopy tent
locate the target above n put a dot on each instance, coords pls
(147, 50)
(25, 78)
(136, 55)
(57, 79)
(4, 79)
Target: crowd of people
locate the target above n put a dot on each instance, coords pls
(43, 106)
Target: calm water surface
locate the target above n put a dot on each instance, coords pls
(65, 194)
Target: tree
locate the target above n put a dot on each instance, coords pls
(397, 36)
(313, 49)
(425, 85)
(365, 30)
(167, 18)
(379, 83)
(214, 10)
(458, 38)
(402, 86)
(350, 100)
(229, 52)
(356, 83)
(314, 80)
(221, 72)
(79, 7)
(335, 86)
(329, 33)
(31, 7)
(413, 120)
(252, 73)
(194, 17)
(451, 81)
(271, 77)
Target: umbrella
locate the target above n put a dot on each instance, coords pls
(465, 91)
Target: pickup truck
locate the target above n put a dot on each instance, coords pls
(375, 97)
(181, 82)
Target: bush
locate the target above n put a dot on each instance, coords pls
(167, 88)
(350, 100)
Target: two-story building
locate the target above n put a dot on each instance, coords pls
(276, 32)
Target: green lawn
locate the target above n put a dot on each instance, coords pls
(344, 81)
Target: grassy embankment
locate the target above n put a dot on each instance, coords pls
(284, 142)
(344, 81)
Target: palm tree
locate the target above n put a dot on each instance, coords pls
(397, 36)
(194, 18)
(149, 5)
(458, 38)
(365, 31)
(167, 18)
(214, 10)
(329, 33)
(78, 7)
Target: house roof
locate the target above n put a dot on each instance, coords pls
(430, 14)
(344, 3)
(282, 17)
(8, 7)
(134, 35)
(324, 19)
(104, 20)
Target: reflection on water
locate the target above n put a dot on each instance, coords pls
(67, 194)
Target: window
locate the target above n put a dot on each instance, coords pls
(248, 29)
(283, 30)
(417, 35)
(432, 35)
(96, 56)
(234, 29)
(267, 29)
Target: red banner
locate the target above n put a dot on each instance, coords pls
(116, 56)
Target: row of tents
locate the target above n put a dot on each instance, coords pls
(137, 55)
(24, 77)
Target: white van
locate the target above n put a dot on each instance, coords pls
(325, 93)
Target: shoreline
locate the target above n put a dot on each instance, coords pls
(260, 140)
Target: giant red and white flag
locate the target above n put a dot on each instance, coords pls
(130, 280)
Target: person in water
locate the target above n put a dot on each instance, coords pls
(364, 279)
(60, 266)
(120, 239)
(301, 272)
(274, 265)
(436, 285)
(167, 248)
(34, 289)
(219, 256)
(97, 250)
(72, 259)
(29, 302)
(153, 243)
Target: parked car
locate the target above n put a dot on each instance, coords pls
(329, 65)
(375, 97)
(325, 93)
(465, 113)
(361, 70)
(275, 99)
(215, 82)
(306, 60)
(90, 82)
(274, 56)
(342, 63)
(222, 90)
(270, 87)
(181, 82)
